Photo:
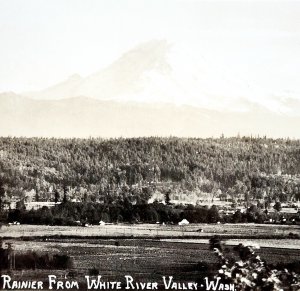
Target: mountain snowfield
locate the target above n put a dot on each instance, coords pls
(157, 88)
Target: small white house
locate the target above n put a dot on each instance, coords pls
(183, 222)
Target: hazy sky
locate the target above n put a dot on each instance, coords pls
(43, 42)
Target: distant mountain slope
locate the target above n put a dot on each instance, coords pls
(84, 117)
(122, 78)
(155, 89)
(157, 71)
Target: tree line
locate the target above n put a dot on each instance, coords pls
(97, 169)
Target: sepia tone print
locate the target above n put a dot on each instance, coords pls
(149, 145)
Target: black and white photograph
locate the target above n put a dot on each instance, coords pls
(150, 145)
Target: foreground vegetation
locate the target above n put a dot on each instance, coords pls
(251, 272)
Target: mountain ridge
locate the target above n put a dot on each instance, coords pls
(158, 71)
(87, 117)
(155, 89)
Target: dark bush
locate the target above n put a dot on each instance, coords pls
(94, 272)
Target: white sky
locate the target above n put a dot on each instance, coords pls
(44, 42)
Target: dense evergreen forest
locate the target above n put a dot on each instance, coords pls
(96, 168)
(113, 179)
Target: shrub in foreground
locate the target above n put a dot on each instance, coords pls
(250, 272)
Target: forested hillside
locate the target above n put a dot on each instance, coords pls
(95, 168)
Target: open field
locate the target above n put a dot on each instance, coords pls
(154, 230)
(263, 243)
(147, 252)
(144, 259)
